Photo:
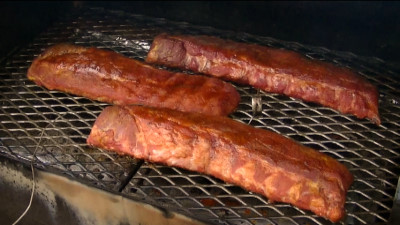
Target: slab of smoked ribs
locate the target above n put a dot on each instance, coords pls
(273, 70)
(256, 159)
(110, 77)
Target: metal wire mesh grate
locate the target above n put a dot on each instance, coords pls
(372, 153)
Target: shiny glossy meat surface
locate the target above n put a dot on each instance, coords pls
(255, 159)
(270, 69)
(110, 77)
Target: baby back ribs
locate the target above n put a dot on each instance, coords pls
(110, 77)
(256, 159)
(273, 70)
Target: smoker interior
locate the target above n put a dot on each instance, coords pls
(51, 127)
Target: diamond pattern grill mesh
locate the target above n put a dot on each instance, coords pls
(59, 124)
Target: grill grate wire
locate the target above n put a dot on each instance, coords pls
(372, 153)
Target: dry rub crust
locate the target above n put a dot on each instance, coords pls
(110, 77)
(255, 159)
(273, 70)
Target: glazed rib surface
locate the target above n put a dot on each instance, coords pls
(255, 159)
(273, 70)
(110, 77)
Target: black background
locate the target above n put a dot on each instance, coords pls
(364, 28)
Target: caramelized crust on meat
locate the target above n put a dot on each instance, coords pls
(110, 77)
(273, 70)
(255, 159)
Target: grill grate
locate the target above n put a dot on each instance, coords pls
(372, 153)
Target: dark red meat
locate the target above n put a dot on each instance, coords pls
(270, 69)
(110, 77)
(258, 160)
